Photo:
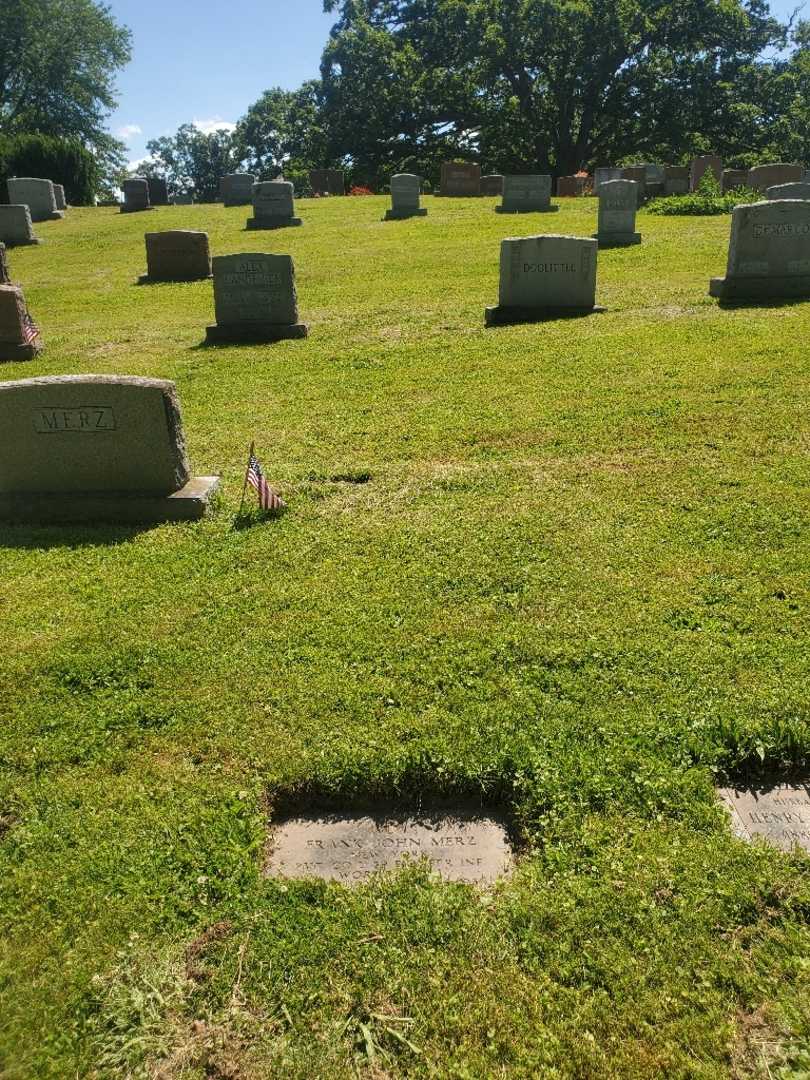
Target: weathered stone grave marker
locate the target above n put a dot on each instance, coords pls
(769, 252)
(618, 202)
(16, 229)
(761, 177)
(676, 180)
(136, 195)
(799, 189)
(405, 194)
(237, 188)
(544, 277)
(59, 196)
(254, 299)
(273, 206)
(638, 174)
(732, 179)
(177, 255)
(460, 845)
(158, 191)
(37, 195)
(571, 186)
(603, 173)
(701, 165)
(777, 812)
(529, 193)
(327, 182)
(19, 336)
(460, 179)
(96, 447)
(492, 184)
(4, 272)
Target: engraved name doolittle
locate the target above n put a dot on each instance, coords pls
(86, 419)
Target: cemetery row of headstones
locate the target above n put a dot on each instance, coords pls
(30, 200)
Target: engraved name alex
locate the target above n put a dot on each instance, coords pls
(85, 419)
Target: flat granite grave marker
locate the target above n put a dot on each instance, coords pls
(19, 335)
(544, 277)
(460, 846)
(492, 184)
(327, 182)
(761, 177)
(776, 812)
(177, 255)
(405, 195)
(237, 189)
(37, 195)
(460, 179)
(254, 299)
(136, 195)
(701, 165)
(4, 273)
(618, 202)
(799, 189)
(16, 229)
(59, 196)
(96, 447)
(769, 252)
(529, 193)
(273, 206)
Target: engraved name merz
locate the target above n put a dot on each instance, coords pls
(85, 419)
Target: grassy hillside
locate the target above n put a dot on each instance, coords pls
(562, 567)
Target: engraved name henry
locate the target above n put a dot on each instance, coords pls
(85, 419)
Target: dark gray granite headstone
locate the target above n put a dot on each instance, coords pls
(177, 255)
(776, 812)
(460, 846)
(768, 254)
(273, 206)
(38, 195)
(236, 189)
(254, 299)
(158, 191)
(19, 336)
(327, 181)
(16, 229)
(460, 179)
(136, 195)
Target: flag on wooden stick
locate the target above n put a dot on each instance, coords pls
(269, 499)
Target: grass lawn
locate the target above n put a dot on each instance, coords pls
(558, 567)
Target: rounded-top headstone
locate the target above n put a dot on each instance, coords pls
(798, 190)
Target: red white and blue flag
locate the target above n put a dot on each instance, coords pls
(269, 499)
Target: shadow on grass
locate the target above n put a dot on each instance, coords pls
(776, 302)
(247, 519)
(34, 537)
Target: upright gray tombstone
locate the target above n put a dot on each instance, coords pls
(273, 206)
(492, 184)
(405, 193)
(460, 179)
(37, 195)
(733, 178)
(761, 177)
(19, 336)
(602, 174)
(96, 447)
(16, 229)
(676, 180)
(544, 277)
(526, 194)
(59, 196)
(177, 255)
(5, 279)
(702, 165)
(769, 253)
(327, 181)
(618, 202)
(158, 191)
(638, 174)
(798, 190)
(237, 189)
(136, 195)
(254, 299)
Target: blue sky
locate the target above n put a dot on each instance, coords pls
(206, 62)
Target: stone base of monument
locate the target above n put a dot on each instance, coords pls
(22, 243)
(272, 223)
(611, 240)
(145, 279)
(190, 503)
(136, 209)
(13, 350)
(526, 209)
(253, 333)
(506, 315)
(401, 215)
(750, 289)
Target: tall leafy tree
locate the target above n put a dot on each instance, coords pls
(193, 161)
(282, 133)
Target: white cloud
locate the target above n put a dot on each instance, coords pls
(216, 123)
(133, 166)
(128, 130)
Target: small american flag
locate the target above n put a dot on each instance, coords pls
(30, 330)
(268, 498)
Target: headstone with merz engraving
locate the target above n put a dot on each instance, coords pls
(273, 206)
(37, 195)
(19, 335)
(16, 229)
(769, 252)
(405, 197)
(776, 811)
(460, 179)
(527, 193)
(618, 202)
(136, 195)
(177, 255)
(799, 189)
(96, 447)
(236, 189)
(254, 299)
(459, 845)
(544, 277)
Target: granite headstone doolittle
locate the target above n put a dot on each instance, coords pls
(158, 191)
(16, 229)
(37, 195)
(4, 274)
(273, 206)
(761, 177)
(136, 195)
(177, 255)
(798, 190)
(618, 202)
(327, 182)
(59, 196)
(459, 845)
(19, 336)
(676, 180)
(492, 184)
(544, 277)
(405, 194)
(526, 194)
(778, 812)
(701, 165)
(254, 299)
(732, 179)
(96, 447)
(237, 189)
(769, 252)
(460, 179)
